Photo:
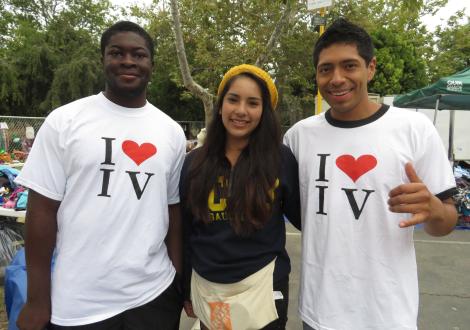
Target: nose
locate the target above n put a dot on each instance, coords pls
(337, 77)
(128, 60)
(241, 109)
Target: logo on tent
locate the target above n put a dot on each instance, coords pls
(454, 85)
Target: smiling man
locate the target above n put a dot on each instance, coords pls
(103, 176)
(368, 173)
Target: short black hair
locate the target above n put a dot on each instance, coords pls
(127, 26)
(343, 31)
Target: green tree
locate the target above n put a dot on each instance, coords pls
(400, 64)
(451, 50)
(49, 52)
(33, 60)
(247, 32)
(295, 74)
(166, 90)
(400, 39)
(10, 95)
(51, 47)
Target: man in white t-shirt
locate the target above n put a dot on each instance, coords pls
(368, 173)
(103, 176)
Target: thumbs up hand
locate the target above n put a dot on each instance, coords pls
(414, 198)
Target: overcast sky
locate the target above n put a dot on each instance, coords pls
(444, 13)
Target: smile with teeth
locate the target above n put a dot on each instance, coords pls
(239, 122)
(340, 93)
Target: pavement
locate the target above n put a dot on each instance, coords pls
(444, 279)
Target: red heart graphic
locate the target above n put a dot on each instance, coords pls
(355, 168)
(137, 153)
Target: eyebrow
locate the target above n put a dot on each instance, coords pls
(134, 48)
(349, 60)
(250, 97)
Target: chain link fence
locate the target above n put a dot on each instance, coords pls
(17, 136)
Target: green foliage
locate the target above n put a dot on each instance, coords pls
(399, 38)
(295, 72)
(49, 51)
(221, 34)
(409, 56)
(400, 66)
(166, 90)
(10, 95)
(78, 78)
(217, 35)
(50, 54)
(452, 47)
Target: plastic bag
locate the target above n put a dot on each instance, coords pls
(15, 288)
(11, 240)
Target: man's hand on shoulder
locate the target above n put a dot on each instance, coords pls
(415, 198)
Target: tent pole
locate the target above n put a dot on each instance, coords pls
(451, 136)
(435, 110)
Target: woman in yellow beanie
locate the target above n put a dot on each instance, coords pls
(235, 191)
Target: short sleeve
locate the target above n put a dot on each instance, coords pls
(43, 171)
(287, 138)
(178, 160)
(431, 163)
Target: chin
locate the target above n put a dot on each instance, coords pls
(340, 106)
(126, 91)
(239, 135)
(129, 92)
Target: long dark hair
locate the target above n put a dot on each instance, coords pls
(253, 177)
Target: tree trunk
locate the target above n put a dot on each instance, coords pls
(196, 89)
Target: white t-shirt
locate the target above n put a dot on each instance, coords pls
(115, 171)
(358, 267)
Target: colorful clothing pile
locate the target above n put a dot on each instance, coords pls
(462, 199)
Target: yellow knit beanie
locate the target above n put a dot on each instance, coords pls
(260, 73)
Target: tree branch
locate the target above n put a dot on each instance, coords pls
(275, 35)
(197, 90)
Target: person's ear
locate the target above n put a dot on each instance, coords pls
(371, 69)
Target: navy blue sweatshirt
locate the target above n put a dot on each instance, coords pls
(217, 253)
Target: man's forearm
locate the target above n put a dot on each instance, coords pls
(174, 238)
(444, 221)
(38, 262)
(41, 231)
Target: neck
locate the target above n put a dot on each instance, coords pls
(361, 111)
(233, 149)
(126, 101)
